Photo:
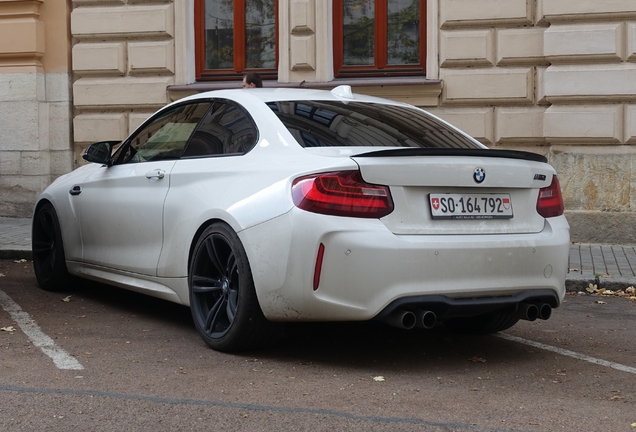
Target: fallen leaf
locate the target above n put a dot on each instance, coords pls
(600, 302)
(378, 378)
(9, 329)
(633, 424)
(1, 274)
(66, 299)
(20, 261)
(477, 359)
(628, 293)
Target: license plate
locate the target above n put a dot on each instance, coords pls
(470, 206)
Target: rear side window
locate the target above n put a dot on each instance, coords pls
(355, 124)
(225, 130)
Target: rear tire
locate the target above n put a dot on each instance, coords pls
(49, 262)
(223, 299)
(482, 324)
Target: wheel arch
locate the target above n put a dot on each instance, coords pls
(38, 205)
(48, 247)
(223, 302)
(197, 235)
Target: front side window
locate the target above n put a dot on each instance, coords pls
(234, 37)
(361, 124)
(379, 37)
(164, 137)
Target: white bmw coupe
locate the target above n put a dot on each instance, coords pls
(268, 205)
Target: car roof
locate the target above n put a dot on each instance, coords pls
(340, 93)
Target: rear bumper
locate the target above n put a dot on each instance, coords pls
(448, 307)
(366, 268)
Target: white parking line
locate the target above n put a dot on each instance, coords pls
(61, 358)
(568, 353)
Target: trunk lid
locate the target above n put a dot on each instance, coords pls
(419, 178)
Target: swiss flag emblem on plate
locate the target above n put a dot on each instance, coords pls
(435, 202)
(506, 203)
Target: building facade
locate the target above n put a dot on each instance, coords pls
(556, 77)
(35, 100)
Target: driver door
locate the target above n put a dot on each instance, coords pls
(121, 206)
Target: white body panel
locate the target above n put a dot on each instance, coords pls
(114, 199)
(413, 179)
(366, 266)
(138, 233)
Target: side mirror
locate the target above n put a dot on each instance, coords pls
(99, 152)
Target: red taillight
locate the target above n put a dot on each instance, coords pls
(550, 201)
(341, 194)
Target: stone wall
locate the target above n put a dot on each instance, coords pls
(555, 77)
(35, 107)
(125, 57)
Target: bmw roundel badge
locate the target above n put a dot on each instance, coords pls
(479, 175)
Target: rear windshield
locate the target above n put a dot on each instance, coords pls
(361, 124)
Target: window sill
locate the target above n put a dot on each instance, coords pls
(417, 91)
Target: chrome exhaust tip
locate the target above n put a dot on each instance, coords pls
(425, 319)
(402, 319)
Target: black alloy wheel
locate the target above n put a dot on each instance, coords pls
(49, 262)
(223, 299)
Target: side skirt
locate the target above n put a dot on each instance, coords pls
(171, 289)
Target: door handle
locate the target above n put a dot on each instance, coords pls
(155, 175)
(75, 190)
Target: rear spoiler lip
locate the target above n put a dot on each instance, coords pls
(435, 151)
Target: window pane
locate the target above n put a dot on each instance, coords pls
(260, 34)
(165, 137)
(219, 34)
(358, 32)
(404, 32)
(227, 129)
(354, 124)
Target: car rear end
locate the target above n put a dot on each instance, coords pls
(428, 221)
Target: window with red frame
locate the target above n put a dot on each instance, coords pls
(233, 37)
(379, 37)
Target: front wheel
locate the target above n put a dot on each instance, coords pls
(223, 299)
(49, 262)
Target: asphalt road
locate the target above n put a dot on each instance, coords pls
(102, 359)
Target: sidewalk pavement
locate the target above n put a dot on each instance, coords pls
(608, 266)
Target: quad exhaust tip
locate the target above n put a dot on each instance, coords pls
(406, 319)
(545, 311)
(532, 311)
(425, 319)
